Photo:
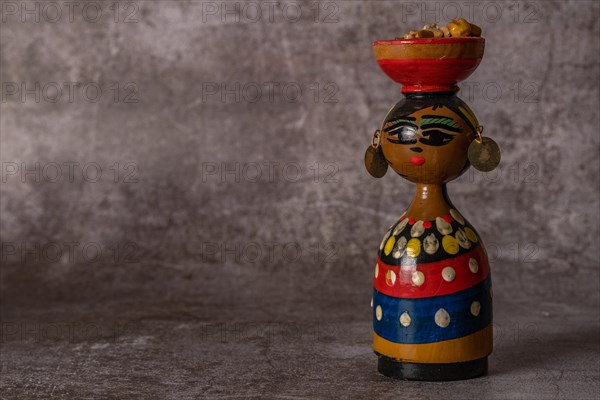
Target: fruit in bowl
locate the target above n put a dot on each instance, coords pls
(458, 27)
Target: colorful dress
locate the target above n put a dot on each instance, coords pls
(432, 300)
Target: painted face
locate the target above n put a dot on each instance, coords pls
(428, 146)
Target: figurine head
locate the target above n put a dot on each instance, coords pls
(426, 137)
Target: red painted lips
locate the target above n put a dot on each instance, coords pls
(418, 161)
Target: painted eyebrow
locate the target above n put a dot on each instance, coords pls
(436, 119)
(402, 119)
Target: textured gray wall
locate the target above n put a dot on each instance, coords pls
(174, 226)
(173, 209)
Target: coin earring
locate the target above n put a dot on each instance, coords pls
(483, 153)
(375, 161)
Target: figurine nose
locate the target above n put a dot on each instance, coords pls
(416, 149)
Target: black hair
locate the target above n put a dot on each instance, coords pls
(413, 102)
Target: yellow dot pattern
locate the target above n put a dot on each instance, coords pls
(450, 244)
(471, 235)
(389, 245)
(413, 248)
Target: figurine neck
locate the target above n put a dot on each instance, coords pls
(430, 201)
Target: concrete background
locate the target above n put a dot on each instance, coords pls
(205, 228)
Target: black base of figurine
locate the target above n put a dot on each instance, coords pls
(432, 372)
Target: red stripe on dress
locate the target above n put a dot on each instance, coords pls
(402, 281)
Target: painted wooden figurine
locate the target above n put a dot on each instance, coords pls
(432, 301)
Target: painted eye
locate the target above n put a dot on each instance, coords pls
(433, 137)
(405, 134)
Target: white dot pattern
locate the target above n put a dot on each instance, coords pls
(454, 214)
(442, 318)
(418, 278)
(417, 229)
(405, 319)
(400, 226)
(473, 266)
(390, 279)
(448, 274)
(475, 308)
(385, 238)
(442, 226)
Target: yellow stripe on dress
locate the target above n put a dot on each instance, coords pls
(467, 348)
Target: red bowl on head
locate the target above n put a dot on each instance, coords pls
(429, 65)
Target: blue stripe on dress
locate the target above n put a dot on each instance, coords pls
(422, 327)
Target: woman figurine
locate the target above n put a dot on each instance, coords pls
(432, 302)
